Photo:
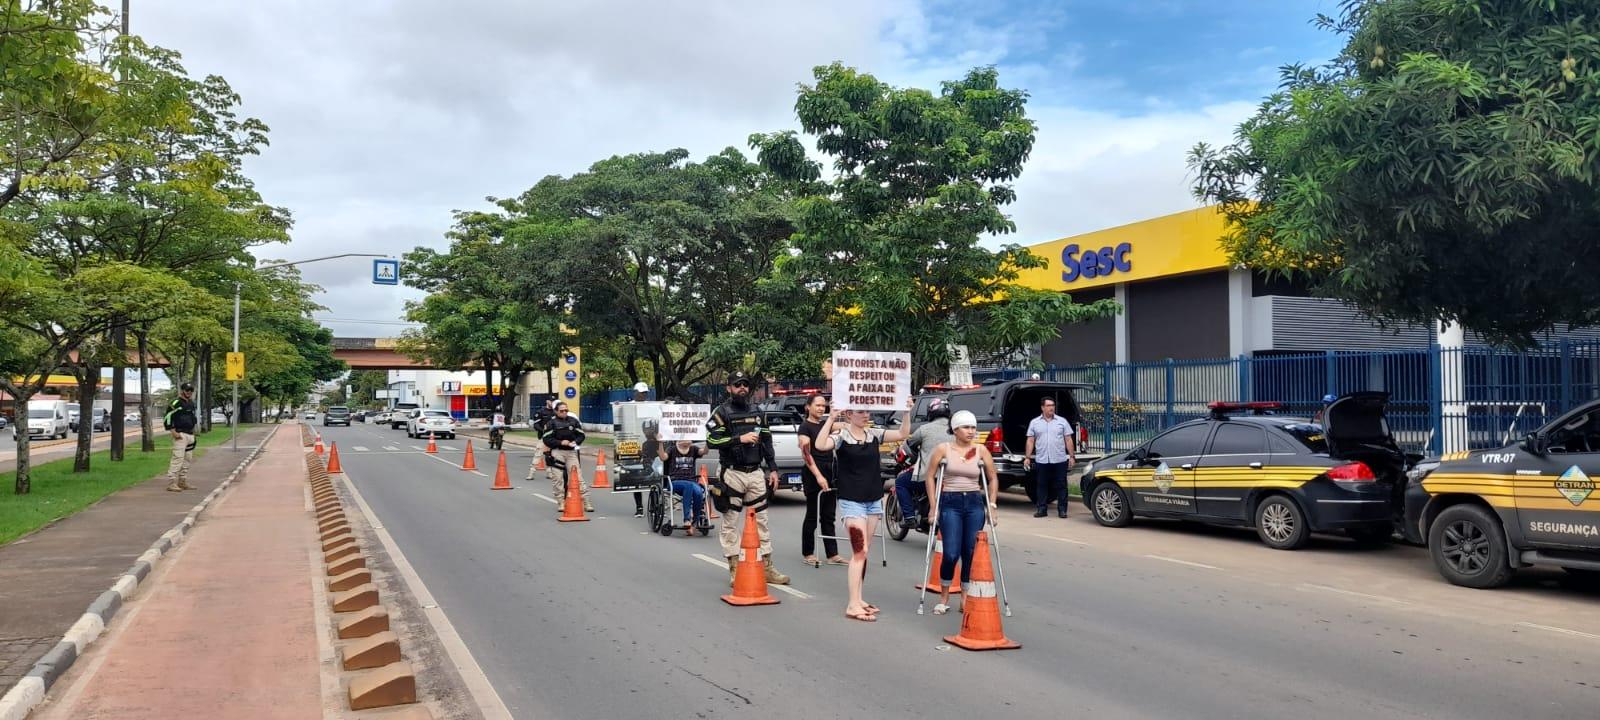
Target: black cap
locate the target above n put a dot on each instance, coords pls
(738, 376)
(186, 387)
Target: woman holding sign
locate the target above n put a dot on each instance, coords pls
(859, 481)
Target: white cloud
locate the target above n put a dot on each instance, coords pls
(386, 116)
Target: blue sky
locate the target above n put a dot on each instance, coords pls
(386, 115)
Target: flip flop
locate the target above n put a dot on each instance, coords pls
(811, 560)
(941, 609)
(836, 560)
(864, 617)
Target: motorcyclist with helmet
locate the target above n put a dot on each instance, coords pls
(922, 443)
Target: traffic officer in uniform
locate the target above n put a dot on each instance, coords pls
(738, 431)
(180, 420)
(562, 435)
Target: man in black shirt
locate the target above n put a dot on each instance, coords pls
(562, 435)
(738, 431)
(180, 419)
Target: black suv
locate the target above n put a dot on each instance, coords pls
(336, 415)
(1004, 409)
(1287, 477)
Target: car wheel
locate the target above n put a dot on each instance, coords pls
(1281, 524)
(1371, 536)
(1110, 506)
(1469, 547)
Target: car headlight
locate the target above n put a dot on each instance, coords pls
(1087, 469)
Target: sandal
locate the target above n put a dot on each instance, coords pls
(837, 560)
(863, 617)
(812, 561)
(941, 609)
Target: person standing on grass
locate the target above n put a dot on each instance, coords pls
(180, 420)
(1050, 453)
(859, 480)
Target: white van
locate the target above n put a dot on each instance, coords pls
(47, 419)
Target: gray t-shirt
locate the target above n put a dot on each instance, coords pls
(928, 438)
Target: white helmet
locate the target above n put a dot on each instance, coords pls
(963, 418)
(641, 387)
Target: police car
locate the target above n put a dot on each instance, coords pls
(1286, 477)
(1484, 514)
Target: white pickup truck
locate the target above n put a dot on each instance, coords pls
(785, 428)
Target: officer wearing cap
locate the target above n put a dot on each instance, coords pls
(180, 420)
(738, 431)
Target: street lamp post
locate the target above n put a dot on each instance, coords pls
(233, 421)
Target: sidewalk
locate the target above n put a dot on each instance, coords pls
(229, 631)
(48, 578)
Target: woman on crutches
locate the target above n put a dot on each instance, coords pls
(961, 503)
(859, 481)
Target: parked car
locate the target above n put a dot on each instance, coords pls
(1486, 513)
(1287, 477)
(4, 422)
(99, 422)
(47, 419)
(310, 415)
(359, 416)
(422, 422)
(400, 414)
(336, 415)
(380, 417)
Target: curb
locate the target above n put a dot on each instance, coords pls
(30, 691)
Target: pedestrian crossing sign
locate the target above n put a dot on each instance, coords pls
(385, 272)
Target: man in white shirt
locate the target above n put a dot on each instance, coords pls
(1050, 453)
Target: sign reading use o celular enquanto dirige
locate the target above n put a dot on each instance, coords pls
(876, 381)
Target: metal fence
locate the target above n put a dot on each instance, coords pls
(1469, 398)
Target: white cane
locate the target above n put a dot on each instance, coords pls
(999, 566)
(933, 532)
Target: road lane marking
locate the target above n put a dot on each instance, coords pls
(781, 588)
(1352, 593)
(391, 448)
(545, 498)
(451, 464)
(478, 686)
(1563, 631)
(419, 447)
(1062, 539)
(358, 448)
(1164, 558)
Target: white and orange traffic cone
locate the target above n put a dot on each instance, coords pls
(502, 481)
(980, 609)
(470, 463)
(572, 509)
(433, 449)
(750, 576)
(602, 479)
(333, 460)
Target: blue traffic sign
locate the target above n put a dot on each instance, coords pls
(385, 272)
(571, 393)
(572, 359)
(572, 375)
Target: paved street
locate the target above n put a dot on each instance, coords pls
(43, 451)
(602, 620)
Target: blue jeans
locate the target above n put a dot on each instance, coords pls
(903, 484)
(1050, 483)
(961, 516)
(693, 499)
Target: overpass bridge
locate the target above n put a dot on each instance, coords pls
(365, 353)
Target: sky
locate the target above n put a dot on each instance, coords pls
(387, 115)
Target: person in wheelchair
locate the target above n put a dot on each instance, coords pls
(679, 460)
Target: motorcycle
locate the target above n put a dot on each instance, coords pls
(497, 437)
(905, 463)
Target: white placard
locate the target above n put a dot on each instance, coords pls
(877, 381)
(684, 422)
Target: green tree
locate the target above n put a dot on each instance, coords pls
(1442, 167)
(366, 384)
(656, 254)
(891, 240)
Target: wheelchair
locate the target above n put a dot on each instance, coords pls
(663, 507)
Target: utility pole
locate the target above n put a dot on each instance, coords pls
(119, 368)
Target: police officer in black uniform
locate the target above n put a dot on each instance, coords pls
(738, 431)
(562, 435)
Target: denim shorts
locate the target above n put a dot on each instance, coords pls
(851, 508)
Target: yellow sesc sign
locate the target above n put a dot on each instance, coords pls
(1176, 244)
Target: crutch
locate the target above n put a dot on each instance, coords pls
(933, 532)
(999, 566)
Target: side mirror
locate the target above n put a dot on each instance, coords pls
(1533, 442)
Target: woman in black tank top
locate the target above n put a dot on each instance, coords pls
(859, 478)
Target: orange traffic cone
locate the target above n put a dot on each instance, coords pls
(572, 510)
(432, 448)
(932, 584)
(538, 461)
(980, 611)
(502, 481)
(750, 577)
(319, 449)
(601, 479)
(333, 459)
(470, 463)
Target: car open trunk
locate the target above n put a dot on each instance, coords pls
(1357, 429)
(1021, 405)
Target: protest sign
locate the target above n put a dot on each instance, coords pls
(684, 422)
(876, 381)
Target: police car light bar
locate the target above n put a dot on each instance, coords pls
(1220, 408)
(935, 387)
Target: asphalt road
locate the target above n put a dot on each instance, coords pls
(1161, 620)
(40, 451)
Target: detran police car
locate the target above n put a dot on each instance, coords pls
(1484, 514)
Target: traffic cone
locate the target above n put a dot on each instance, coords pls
(750, 577)
(932, 583)
(333, 460)
(470, 463)
(319, 449)
(432, 448)
(980, 611)
(502, 481)
(538, 461)
(601, 479)
(572, 510)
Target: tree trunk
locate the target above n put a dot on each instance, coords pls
(202, 389)
(19, 405)
(119, 390)
(88, 382)
(147, 438)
